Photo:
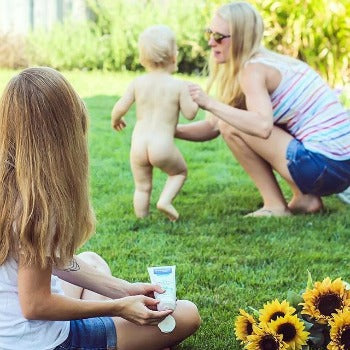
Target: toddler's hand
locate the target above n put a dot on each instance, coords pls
(198, 95)
(118, 125)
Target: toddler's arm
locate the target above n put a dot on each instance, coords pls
(188, 107)
(121, 108)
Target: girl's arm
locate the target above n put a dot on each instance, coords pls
(87, 276)
(204, 130)
(122, 107)
(37, 302)
(257, 119)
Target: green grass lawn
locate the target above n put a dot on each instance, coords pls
(224, 261)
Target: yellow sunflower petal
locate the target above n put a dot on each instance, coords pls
(340, 331)
(292, 330)
(273, 310)
(325, 299)
(244, 325)
(264, 338)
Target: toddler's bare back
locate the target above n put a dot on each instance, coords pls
(157, 97)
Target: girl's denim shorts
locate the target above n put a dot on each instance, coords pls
(314, 173)
(96, 333)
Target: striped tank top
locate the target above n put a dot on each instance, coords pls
(306, 107)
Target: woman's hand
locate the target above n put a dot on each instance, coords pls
(138, 309)
(199, 96)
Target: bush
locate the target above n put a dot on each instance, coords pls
(317, 31)
(12, 52)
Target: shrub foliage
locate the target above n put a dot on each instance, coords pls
(317, 31)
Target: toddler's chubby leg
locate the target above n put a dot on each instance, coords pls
(142, 172)
(171, 189)
(169, 160)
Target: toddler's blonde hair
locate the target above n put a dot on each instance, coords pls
(157, 47)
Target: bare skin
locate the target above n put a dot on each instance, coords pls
(159, 99)
(131, 336)
(258, 145)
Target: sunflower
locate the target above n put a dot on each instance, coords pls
(244, 325)
(325, 299)
(292, 330)
(264, 338)
(274, 309)
(340, 331)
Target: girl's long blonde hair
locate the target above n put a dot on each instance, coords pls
(45, 212)
(246, 29)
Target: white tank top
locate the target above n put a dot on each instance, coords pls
(16, 332)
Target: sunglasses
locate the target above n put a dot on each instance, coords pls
(218, 37)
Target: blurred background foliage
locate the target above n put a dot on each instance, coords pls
(317, 31)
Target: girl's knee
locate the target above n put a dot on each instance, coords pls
(95, 260)
(188, 316)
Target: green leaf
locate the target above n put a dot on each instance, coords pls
(255, 311)
(294, 298)
(309, 284)
(317, 340)
(308, 325)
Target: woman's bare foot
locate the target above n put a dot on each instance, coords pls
(269, 212)
(305, 203)
(168, 210)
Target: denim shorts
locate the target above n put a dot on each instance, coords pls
(96, 333)
(314, 173)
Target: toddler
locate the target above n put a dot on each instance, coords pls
(159, 99)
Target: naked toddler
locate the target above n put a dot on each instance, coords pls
(159, 98)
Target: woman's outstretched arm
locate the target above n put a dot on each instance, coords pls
(204, 130)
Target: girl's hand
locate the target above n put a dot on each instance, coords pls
(118, 124)
(198, 95)
(137, 309)
(146, 289)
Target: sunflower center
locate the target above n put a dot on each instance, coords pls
(345, 338)
(276, 314)
(288, 331)
(329, 303)
(268, 343)
(249, 328)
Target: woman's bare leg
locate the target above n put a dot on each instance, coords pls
(260, 172)
(304, 203)
(257, 155)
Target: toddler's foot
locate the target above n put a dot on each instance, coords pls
(168, 210)
(269, 212)
(306, 204)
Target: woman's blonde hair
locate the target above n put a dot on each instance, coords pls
(45, 212)
(157, 47)
(246, 29)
